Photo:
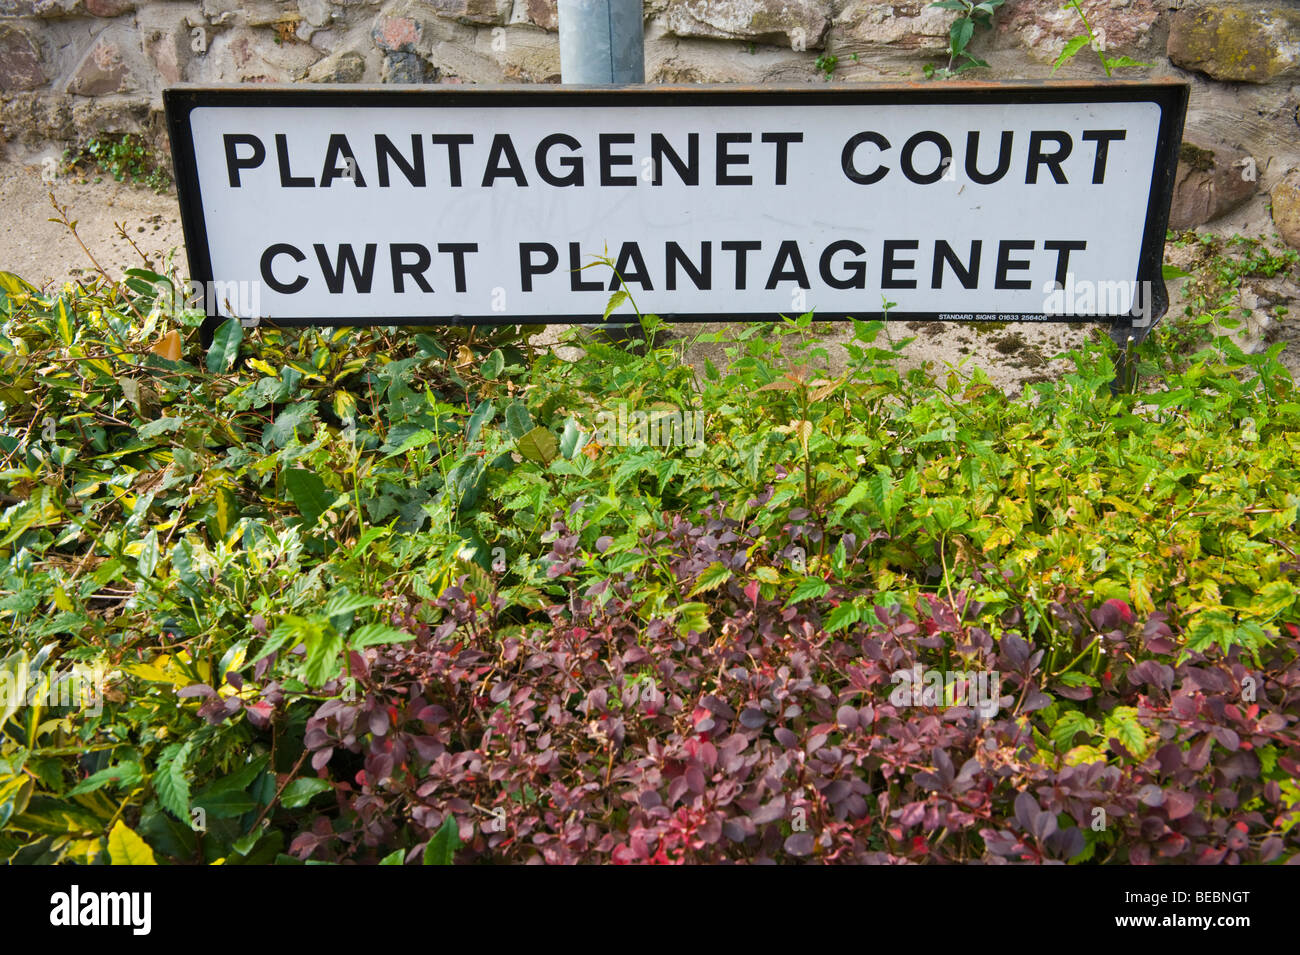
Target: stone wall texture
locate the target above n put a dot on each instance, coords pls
(70, 69)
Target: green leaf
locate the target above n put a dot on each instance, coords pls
(518, 421)
(693, 617)
(713, 577)
(341, 602)
(615, 300)
(1173, 272)
(308, 493)
(493, 364)
(416, 439)
(843, 616)
(127, 848)
(374, 634)
(539, 446)
(1120, 62)
(963, 28)
(441, 849)
(481, 416)
(278, 433)
(225, 805)
(238, 780)
(301, 791)
(1070, 723)
(1123, 725)
(225, 346)
(147, 562)
(323, 657)
(1072, 47)
(170, 782)
(809, 588)
(571, 440)
(396, 857)
(126, 774)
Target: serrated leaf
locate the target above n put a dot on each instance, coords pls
(373, 634)
(1070, 723)
(1072, 47)
(713, 577)
(340, 603)
(170, 782)
(323, 657)
(809, 588)
(127, 848)
(843, 616)
(615, 300)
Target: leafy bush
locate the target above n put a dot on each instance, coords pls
(363, 596)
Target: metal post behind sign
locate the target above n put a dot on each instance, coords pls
(601, 42)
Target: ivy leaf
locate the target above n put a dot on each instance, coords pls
(481, 416)
(571, 440)
(127, 848)
(308, 493)
(278, 433)
(225, 346)
(493, 364)
(518, 421)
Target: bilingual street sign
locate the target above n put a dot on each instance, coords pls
(420, 205)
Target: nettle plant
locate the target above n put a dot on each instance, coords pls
(1095, 39)
(971, 16)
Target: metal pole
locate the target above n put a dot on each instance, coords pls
(602, 42)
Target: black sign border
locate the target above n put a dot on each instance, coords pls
(1170, 95)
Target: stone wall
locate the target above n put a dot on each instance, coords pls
(72, 68)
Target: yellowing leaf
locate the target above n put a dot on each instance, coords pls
(126, 848)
